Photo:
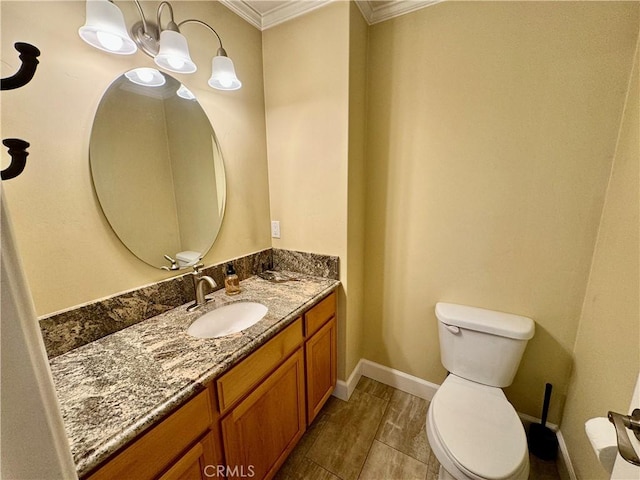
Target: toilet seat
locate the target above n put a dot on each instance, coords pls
(479, 430)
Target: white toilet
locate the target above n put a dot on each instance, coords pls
(473, 430)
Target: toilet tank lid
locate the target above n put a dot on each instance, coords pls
(488, 321)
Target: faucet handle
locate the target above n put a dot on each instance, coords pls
(197, 267)
(174, 265)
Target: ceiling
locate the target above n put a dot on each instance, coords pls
(264, 14)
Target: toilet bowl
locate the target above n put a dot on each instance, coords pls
(475, 433)
(473, 430)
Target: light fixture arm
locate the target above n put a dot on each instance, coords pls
(145, 34)
(221, 50)
(172, 24)
(145, 27)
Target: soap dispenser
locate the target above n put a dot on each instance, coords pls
(231, 281)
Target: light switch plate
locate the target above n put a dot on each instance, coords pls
(275, 229)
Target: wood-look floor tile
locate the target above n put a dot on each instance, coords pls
(373, 387)
(403, 426)
(542, 469)
(433, 467)
(313, 430)
(384, 462)
(344, 440)
(296, 465)
(340, 444)
(303, 469)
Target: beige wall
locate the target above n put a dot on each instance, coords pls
(70, 254)
(306, 79)
(607, 348)
(358, 37)
(491, 129)
(306, 96)
(480, 177)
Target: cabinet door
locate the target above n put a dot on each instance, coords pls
(320, 353)
(262, 430)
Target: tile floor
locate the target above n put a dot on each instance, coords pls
(379, 434)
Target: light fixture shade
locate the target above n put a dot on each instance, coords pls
(185, 93)
(147, 77)
(223, 75)
(105, 28)
(174, 53)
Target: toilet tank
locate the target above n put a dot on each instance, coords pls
(481, 345)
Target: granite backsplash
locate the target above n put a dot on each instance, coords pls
(70, 329)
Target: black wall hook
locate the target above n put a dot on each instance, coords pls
(16, 146)
(18, 152)
(28, 56)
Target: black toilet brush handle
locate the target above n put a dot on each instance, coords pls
(545, 405)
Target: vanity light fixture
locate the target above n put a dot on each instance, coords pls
(106, 30)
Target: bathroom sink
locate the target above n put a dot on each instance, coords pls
(231, 318)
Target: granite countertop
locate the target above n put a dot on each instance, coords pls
(112, 389)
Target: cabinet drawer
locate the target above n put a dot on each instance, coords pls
(318, 315)
(238, 381)
(156, 449)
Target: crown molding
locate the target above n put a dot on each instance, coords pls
(371, 13)
(290, 10)
(376, 14)
(276, 16)
(366, 9)
(245, 11)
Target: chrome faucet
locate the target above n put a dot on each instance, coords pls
(198, 285)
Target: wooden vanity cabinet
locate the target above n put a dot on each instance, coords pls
(257, 411)
(320, 354)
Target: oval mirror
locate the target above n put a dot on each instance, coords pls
(157, 169)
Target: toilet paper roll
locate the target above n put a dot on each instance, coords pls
(603, 440)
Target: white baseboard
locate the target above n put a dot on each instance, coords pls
(565, 467)
(423, 389)
(344, 389)
(397, 379)
(389, 376)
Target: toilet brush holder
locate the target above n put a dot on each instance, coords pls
(543, 442)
